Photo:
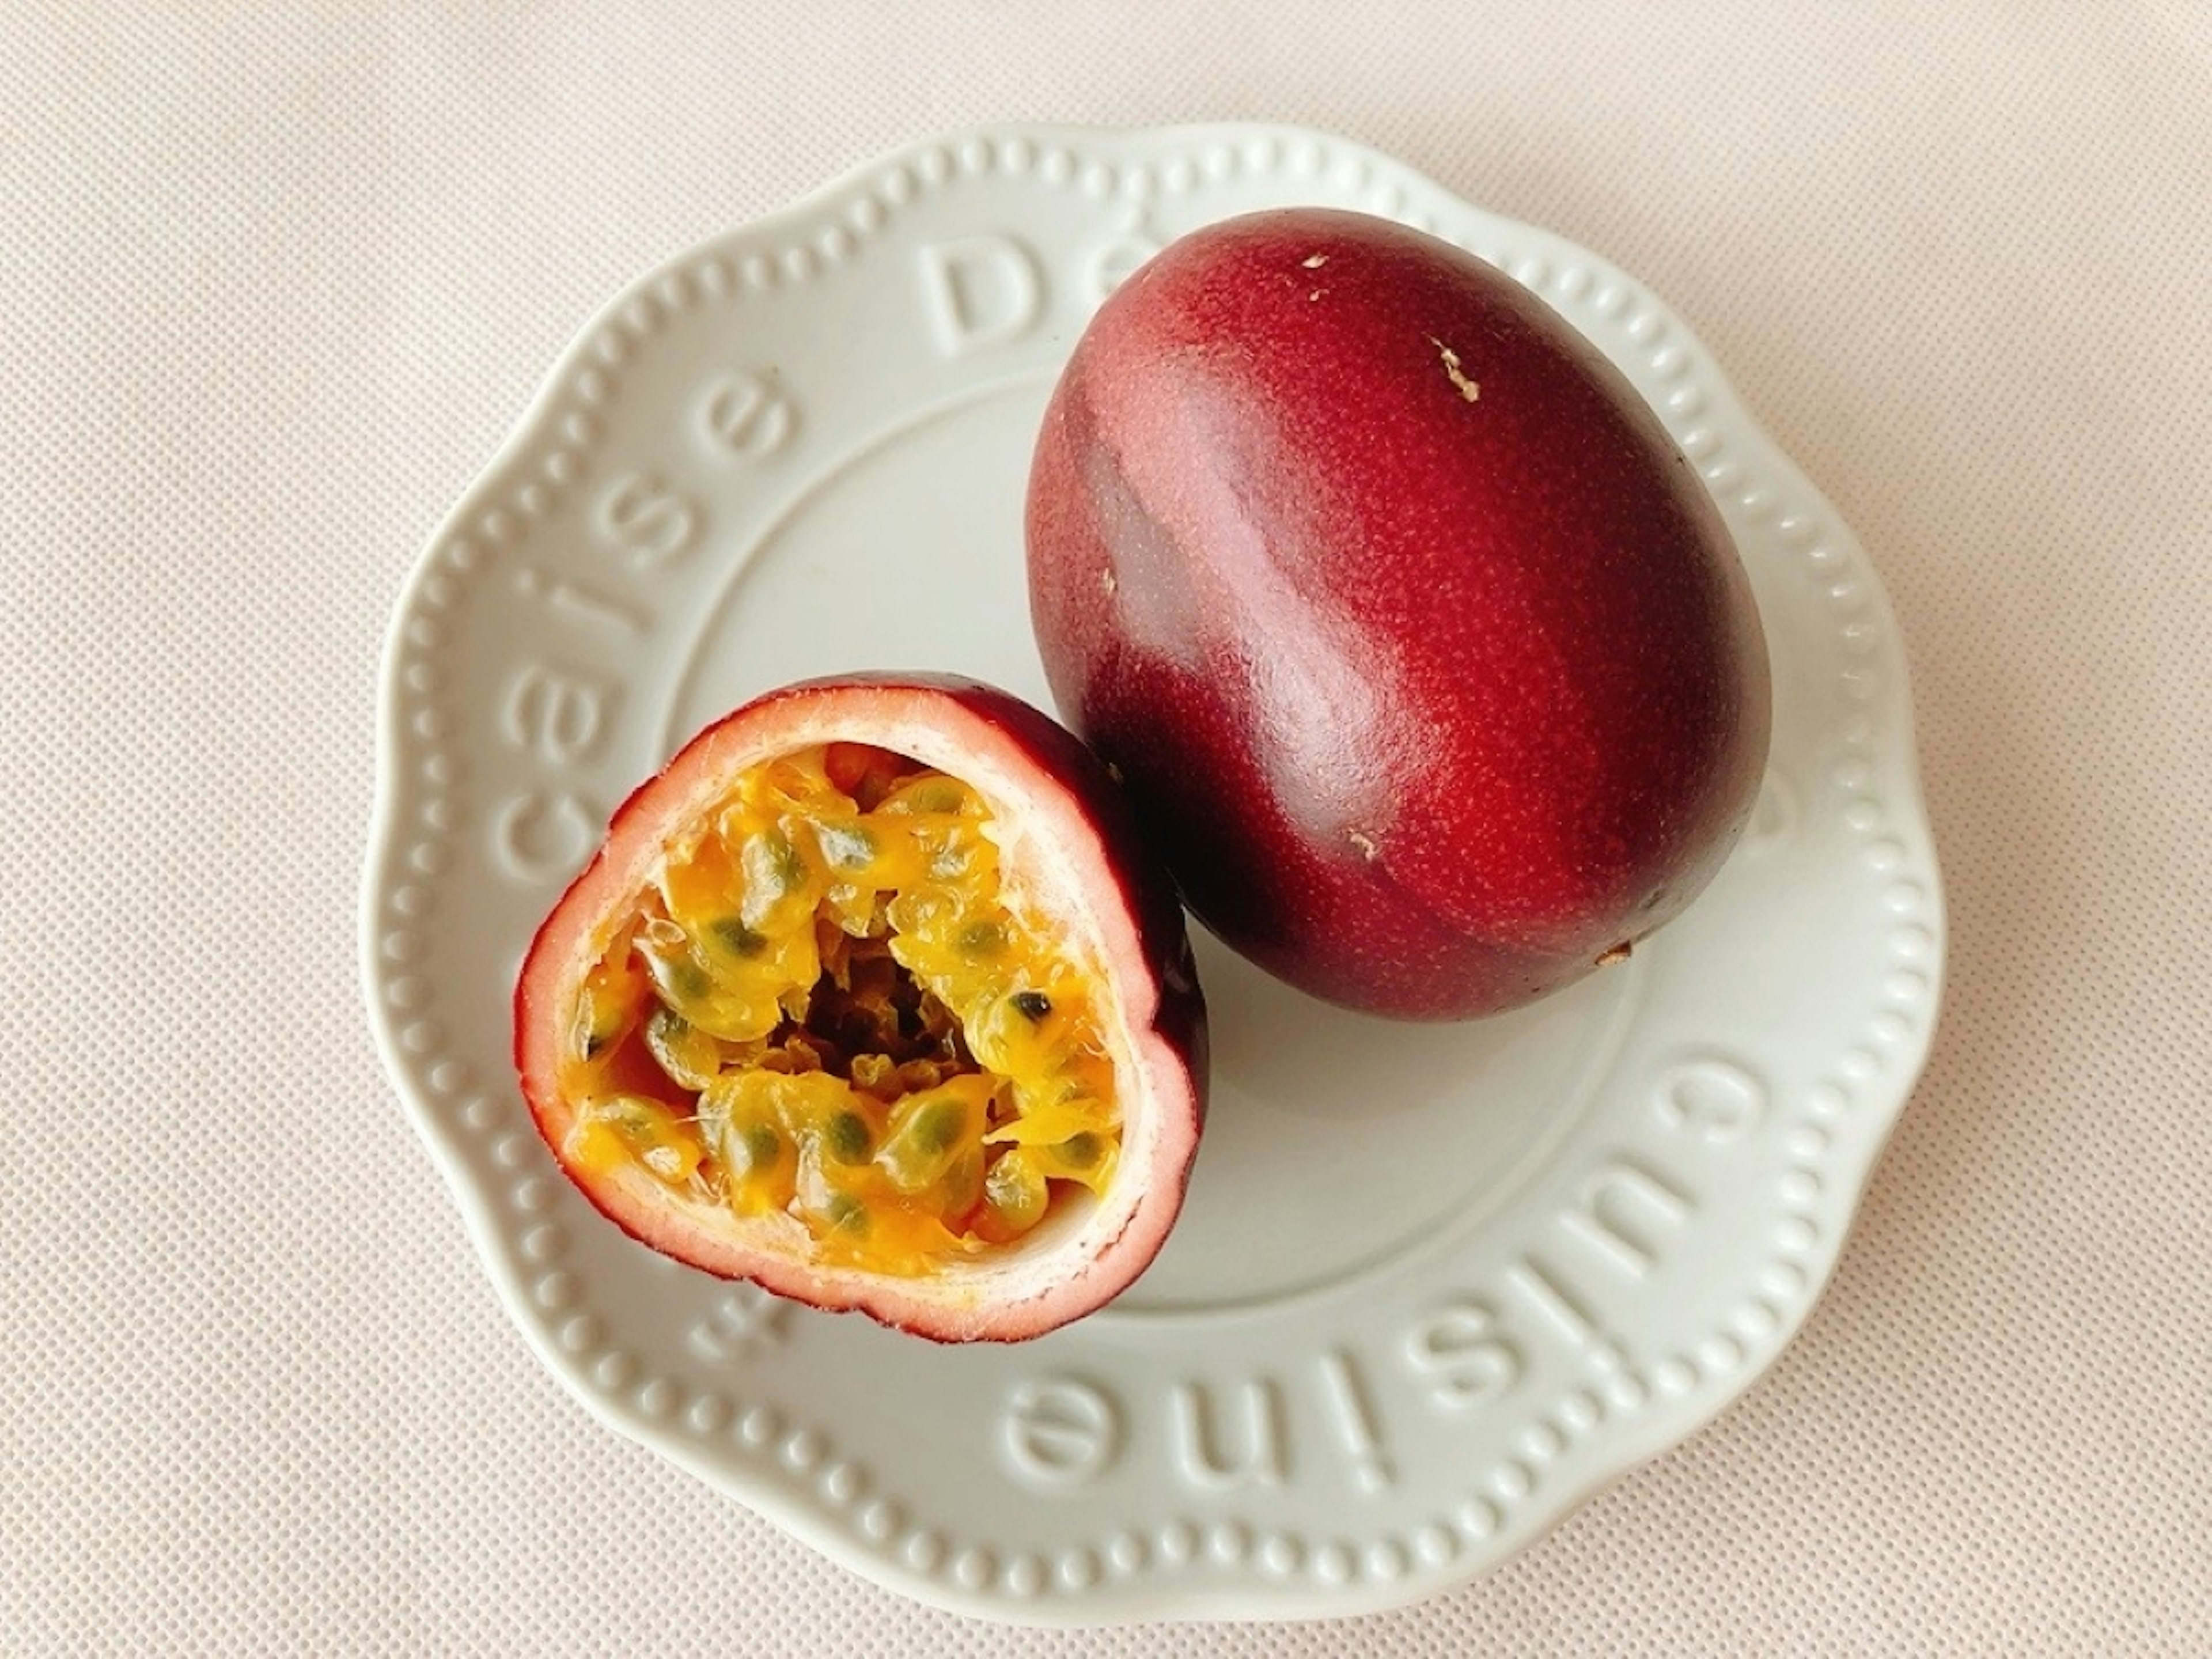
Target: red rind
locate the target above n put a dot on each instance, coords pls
(975, 731)
(1416, 641)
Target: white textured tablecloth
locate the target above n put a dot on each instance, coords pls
(271, 290)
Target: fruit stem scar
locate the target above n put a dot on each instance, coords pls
(1468, 388)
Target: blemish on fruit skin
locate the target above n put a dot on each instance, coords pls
(1314, 261)
(1106, 581)
(1468, 388)
(1364, 843)
(1618, 953)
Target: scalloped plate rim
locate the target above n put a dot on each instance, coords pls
(1632, 1446)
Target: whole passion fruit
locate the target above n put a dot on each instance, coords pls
(873, 997)
(1421, 649)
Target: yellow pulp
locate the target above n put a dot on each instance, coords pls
(825, 1006)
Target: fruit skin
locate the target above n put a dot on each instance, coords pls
(976, 732)
(1422, 651)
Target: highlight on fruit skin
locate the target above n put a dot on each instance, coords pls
(1423, 654)
(874, 997)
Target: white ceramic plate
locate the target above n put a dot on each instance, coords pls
(1433, 1286)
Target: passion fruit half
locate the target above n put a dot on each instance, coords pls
(873, 997)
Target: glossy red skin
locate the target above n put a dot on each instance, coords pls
(1432, 701)
(1159, 974)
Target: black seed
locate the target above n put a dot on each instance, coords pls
(982, 939)
(689, 981)
(846, 846)
(790, 867)
(763, 1146)
(850, 1140)
(737, 938)
(940, 1125)
(938, 794)
(1032, 1005)
(1080, 1150)
(846, 1213)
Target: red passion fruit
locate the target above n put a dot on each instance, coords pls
(873, 996)
(1421, 649)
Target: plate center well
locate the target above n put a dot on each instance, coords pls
(1335, 1141)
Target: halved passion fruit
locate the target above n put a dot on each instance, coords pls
(873, 997)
